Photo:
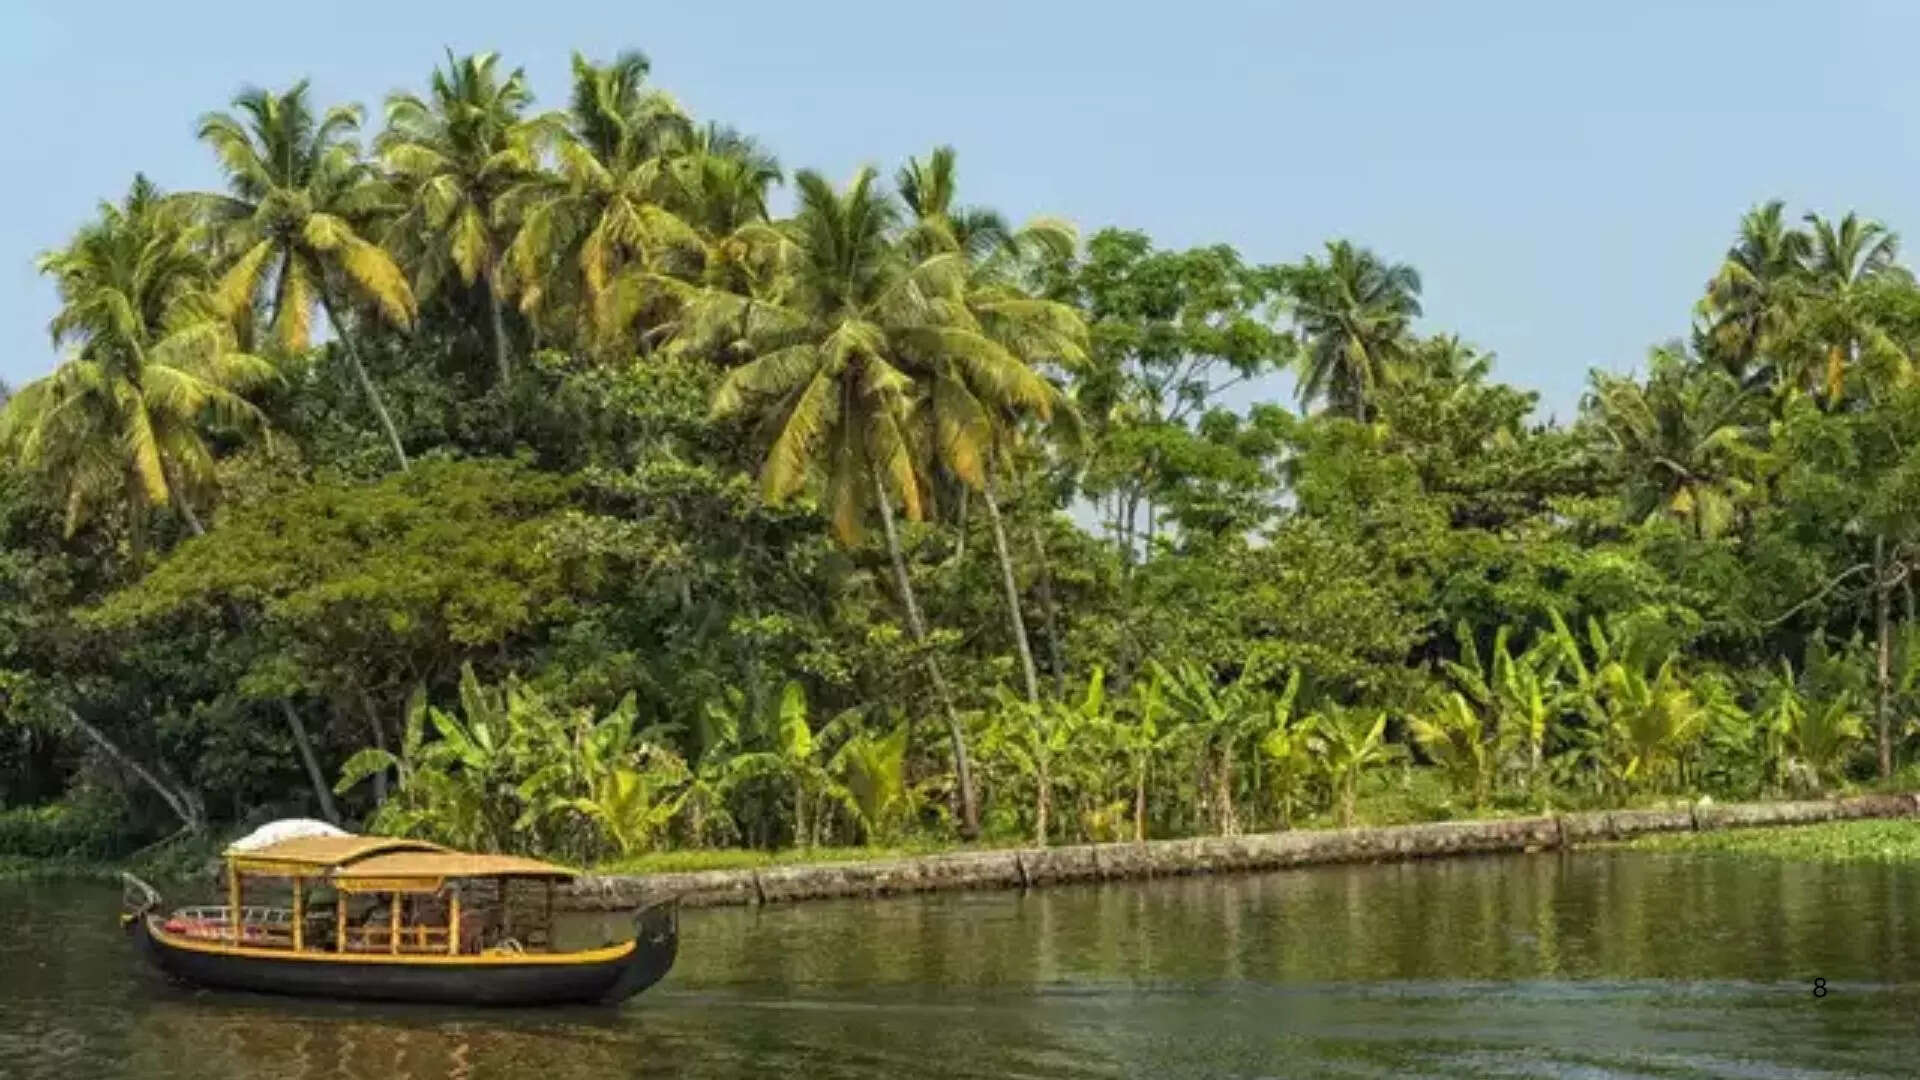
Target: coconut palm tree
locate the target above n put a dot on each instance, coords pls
(1847, 260)
(291, 229)
(606, 212)
(928, 190)
(1354, 312)
(973, 402)
(453, 155)
(1751, 302)
(121, 422)
(828, 377)
(1680, 440)
(719, 183)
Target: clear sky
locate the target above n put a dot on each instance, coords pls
(1564, 175)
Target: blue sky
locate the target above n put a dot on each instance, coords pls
(1564, 176)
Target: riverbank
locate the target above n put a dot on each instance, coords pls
(1033, 867)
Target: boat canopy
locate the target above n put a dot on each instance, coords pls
(427, 871)
(365, 864)
(315, 856)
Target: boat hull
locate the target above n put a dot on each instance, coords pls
(609, 975)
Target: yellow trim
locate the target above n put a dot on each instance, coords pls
(272, 867)
(589, 956)
(387, 885)
(233, 903)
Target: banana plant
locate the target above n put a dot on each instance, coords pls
(1809, 742)
(1653, 719)
(1455, 737)
(1033, 736)
(798, 758)
(872, 772)
(634, 804)
(450, 788)
(1519, 696)
(1351, 742)
(1219, 719)
(1288, 748)
(1145, 741)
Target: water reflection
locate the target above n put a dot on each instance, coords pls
(1611, 964)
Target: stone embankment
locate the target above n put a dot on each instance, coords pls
(1030, 867)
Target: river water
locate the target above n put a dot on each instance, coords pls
(1605, 964)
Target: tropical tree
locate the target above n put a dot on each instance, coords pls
(1354, 312)
(122, 422)
(1752, 302)
(828, 382)
(929, 188)
(290, 231)
(978, 385)
(608, 216)
(510, 770)
(453, 155)
(1654, 717)
(1680, 440)
(721, 182)
(1518, 696)
(1847, 260)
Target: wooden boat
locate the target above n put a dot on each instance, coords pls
(379, 918)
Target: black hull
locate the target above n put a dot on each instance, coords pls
(595, 978)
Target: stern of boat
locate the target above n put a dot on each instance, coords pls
(656, 943)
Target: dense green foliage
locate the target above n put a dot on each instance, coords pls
(611, 516)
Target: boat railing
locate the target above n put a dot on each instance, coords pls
(258, 925)
(249, 916)
(418, 938)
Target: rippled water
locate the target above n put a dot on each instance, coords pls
(1611, 964)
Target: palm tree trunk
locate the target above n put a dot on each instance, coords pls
(360, 373)
(962, 771)
(502, 367)
(960, 546)
(1140, 803)
(1050, 615)
(1012, 588)
(181, 505)
(1042, 802)
(1883, 632)
(320, 789)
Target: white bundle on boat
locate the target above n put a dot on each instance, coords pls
(285, 829)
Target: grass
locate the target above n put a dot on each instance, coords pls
(667, 862)
(1878, 841)
(28, 868)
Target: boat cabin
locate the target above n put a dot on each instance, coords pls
(374, 895)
